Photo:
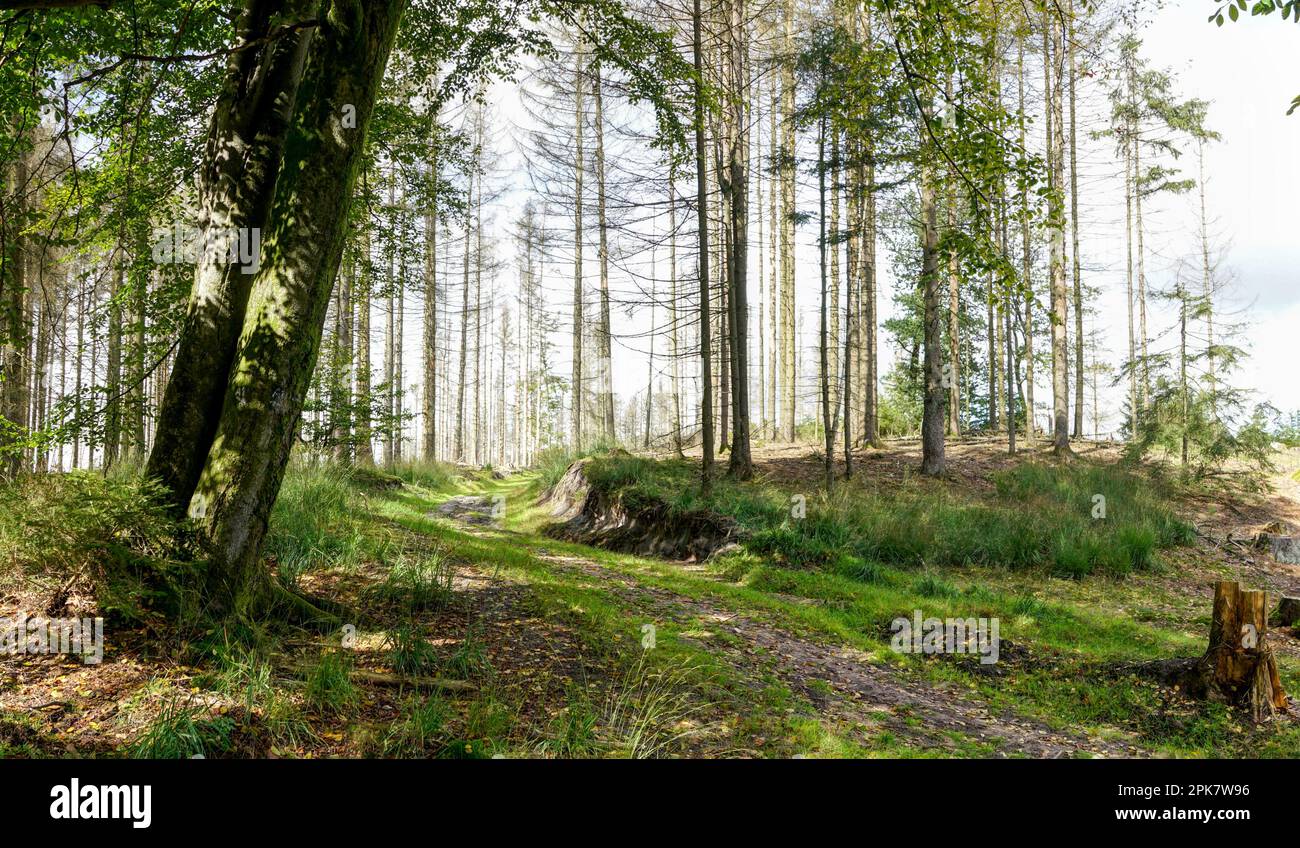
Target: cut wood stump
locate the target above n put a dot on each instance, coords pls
(1239, 668)
(1282, 547)
(1288, 611)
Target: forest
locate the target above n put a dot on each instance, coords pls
(637, 379)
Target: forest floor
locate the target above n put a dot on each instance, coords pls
(476, 633)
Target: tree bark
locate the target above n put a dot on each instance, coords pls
(1074, 223)
(579, 120)
(604, 334)
(737, 188)
(430, 436)
(1027, 280)
(1052, 53)
(789, 365)
(932, 422)
(286, 309)
(14, 321)
(1239, 668)
(242, 164)
(702, 219)
(365, 451)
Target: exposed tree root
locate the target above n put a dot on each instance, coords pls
(642, 525)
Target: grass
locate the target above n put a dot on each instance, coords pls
(417, 581)
(420, 730)
(645, 711)
(109, 532)
(572, 733)
(1026, 550)
(1077, 631)
(1043, 518)
(317, 522)
(409, 653)
(181, 731)
(329, 688)
(470, 659)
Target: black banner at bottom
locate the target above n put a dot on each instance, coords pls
(213, 798)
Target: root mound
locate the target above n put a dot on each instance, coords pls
(632, 522)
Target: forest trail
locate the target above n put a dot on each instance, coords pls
(845, 685)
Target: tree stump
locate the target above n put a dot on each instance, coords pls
(1288, 611)
(1239, 668)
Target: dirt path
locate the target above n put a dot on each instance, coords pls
(862, 692)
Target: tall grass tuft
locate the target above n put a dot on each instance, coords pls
(317, 522)
(418, 581)
(329, 684)
(434, 476)
(646, 711)
(181, 731)
(420, 730)
(409, 652)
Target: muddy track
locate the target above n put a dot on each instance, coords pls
(865, 693)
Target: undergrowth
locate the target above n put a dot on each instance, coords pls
(1069, 520)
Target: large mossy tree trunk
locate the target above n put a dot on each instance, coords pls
(241, 165)
(254, 423)
(286, 310)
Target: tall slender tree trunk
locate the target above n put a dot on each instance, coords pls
(390, 337)
(737, 189)
(789, 342)
(113, 380)
(479, 423)
(14, 320)
(932, 421)
(1074, 222)
(774, 236)
(136, 397)
(459, 453)
(1053, 53)
(650, 365)
(851, 343)
(1207, 286)
(828, 455)
(762, 299)
(1182, 370)
(1144, 381)
(430, 436)
(365, 451)
(868, 335)
(702, 218)
(673, 316)
(77, 408)
(604, 334)
(341, 380)
(833, 295)
(579, 124)
(953, 375)
(1027, 283)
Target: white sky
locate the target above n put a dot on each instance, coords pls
(1249, 72)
